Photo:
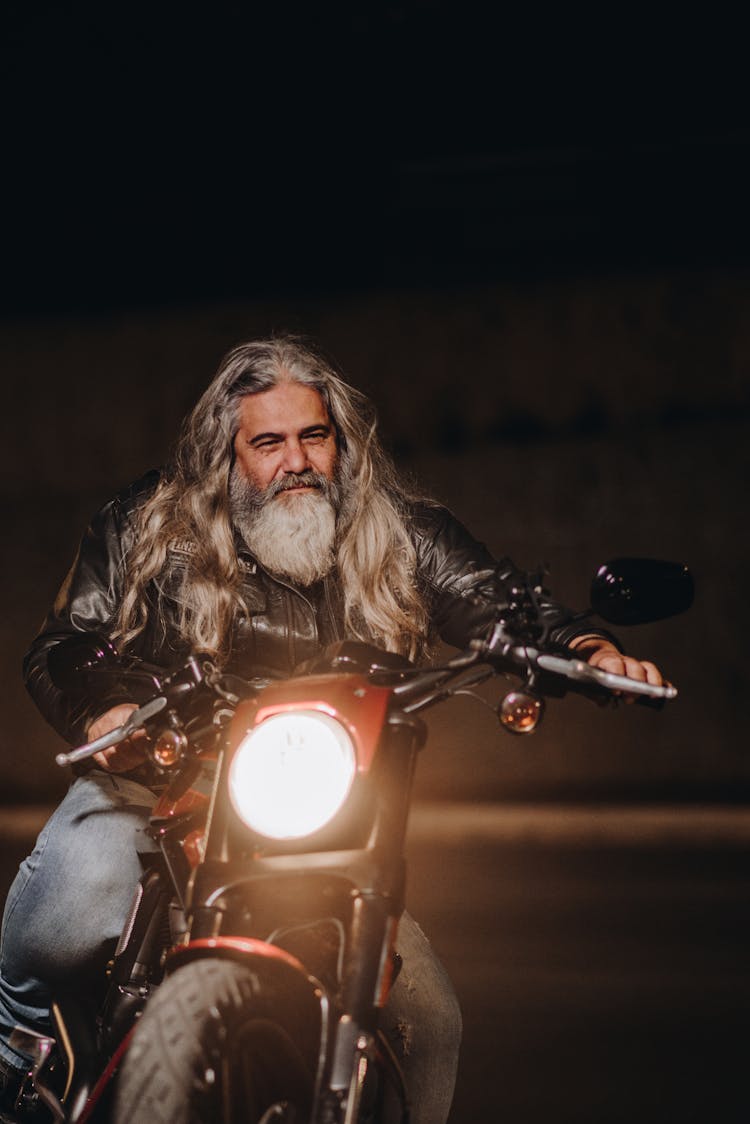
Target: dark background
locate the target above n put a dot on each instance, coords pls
(525, 237)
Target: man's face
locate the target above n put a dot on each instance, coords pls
(284, 432)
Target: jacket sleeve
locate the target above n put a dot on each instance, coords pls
(88, 601)
(467, 589)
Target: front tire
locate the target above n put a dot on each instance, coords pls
(219, 1043)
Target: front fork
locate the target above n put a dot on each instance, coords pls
(372, 1057)
(359, 1050)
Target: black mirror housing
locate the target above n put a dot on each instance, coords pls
(629, 591)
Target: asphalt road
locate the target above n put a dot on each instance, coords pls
(601, 960)
(599, 955)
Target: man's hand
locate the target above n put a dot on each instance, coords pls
(118, 758)
(601, 653)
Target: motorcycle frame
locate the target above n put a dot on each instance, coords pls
(199, 856)
(356, 864)
(359, 866)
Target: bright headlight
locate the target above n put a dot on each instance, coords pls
(292, 774)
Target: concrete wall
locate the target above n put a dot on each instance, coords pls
(564, 422)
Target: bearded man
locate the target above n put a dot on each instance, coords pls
(279, 527)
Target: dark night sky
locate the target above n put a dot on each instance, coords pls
(157, 153)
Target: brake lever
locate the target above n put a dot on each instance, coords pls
(120, 734)
(582, 672)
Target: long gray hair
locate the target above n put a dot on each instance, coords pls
(375, 553)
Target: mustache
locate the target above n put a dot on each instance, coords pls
(245, 496)
(306, 479)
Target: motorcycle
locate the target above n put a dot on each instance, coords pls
(261, 947)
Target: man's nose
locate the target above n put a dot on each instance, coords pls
(295, 457)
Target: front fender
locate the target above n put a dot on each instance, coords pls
(284, 981)
(245, 949)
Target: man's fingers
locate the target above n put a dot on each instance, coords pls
(120, 758)
(616, 664)
(653, 675)
(642, 670)
(125, 755)
(110, 720)
(612, 662)
(634, 669)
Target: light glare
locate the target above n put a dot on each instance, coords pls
(292, 774)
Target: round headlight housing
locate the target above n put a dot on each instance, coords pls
(292, 774)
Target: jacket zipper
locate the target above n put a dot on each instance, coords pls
(288, 605)
(329, 606)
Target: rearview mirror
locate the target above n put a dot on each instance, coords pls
(639, 590)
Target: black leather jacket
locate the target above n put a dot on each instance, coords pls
(464, 585)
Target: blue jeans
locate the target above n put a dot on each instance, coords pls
(71, 898)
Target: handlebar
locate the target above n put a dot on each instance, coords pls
(416, 688)
(503, 648)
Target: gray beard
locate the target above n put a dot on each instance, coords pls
(292, 535)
